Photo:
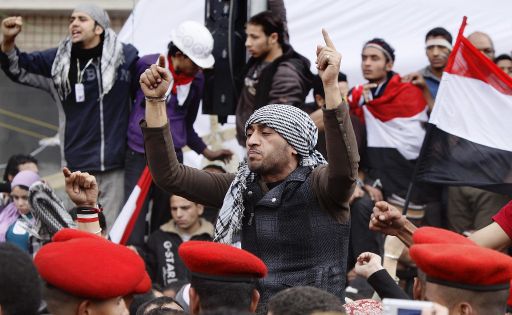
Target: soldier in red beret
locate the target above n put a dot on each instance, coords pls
(467, 279)
(369, 266)
(497, 235)
(222, 276)
(85, 274)
(389, 220)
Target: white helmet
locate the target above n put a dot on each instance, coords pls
(195, 41)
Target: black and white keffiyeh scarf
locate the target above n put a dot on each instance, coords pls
(111, 57)
(296, 127)
(48, 210)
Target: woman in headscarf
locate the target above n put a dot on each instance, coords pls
(16, 216)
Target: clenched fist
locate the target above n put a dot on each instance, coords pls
(11, 27)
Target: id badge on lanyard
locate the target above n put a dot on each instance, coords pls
(79, 87)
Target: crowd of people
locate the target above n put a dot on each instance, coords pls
(312, 220)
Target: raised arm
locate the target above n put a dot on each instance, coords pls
(369, 266)
(82, 189)
(199, 186)
(389, 220)
(33, 69)
(11, 27)
(328, 62)
(497, 235)
(492, 236)
(337, 179)
(417, 79)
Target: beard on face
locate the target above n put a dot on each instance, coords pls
(270, 163)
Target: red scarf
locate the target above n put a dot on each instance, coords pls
(399, 100)
(179, 78)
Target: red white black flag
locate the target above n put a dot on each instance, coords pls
(123, 226)
(470, 137)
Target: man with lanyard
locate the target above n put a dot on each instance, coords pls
(89, 76)
(394, 114)
(283, 184)
(188, 52)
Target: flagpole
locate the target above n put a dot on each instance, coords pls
(415, 171)
(462, 27)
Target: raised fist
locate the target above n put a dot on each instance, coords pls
(11, 27)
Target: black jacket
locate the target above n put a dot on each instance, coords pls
(291, 58)
(301, 244)
(385, 286)
(161, 252)
(286, 80)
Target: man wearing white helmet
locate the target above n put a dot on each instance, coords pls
(189, 51)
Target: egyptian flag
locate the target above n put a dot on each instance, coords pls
(123, 226)
(395, 127)
(470, 130)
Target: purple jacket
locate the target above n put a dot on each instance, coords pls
(181, 118)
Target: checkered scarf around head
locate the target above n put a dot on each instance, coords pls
(295, 126)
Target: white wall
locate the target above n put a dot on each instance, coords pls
(403, 23)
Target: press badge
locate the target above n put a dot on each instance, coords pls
(79, 92)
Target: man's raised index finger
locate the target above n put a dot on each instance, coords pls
(66, 172)
(161, 61)
(327, 39)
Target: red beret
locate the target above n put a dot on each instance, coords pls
(68, 234)
(432, 235)
(88, 266)
(463, 266)
(216, 261)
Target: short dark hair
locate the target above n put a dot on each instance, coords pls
(165, 311)
(318, 85)
(387, 47)
(159, 302)
(304, 301)
(482, 302)
(56, 298)
(439, 31)
(216, 294)
(140, 299)
(271, 23)
(502, 57)
(12, 167)
(225, 311)
(20, 290)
